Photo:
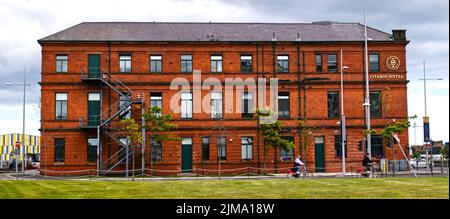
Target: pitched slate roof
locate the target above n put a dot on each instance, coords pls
(226, 32)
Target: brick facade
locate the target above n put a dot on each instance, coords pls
(140, 80)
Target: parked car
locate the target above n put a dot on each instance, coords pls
(437, 157)
(421, 163)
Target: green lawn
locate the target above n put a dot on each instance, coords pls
(437, 187)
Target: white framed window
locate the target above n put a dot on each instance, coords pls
(125, 63)
(186, 105)
(216, 105)
(247, 148)
(156, 63)
(61, 106)
(216, 63)
(283, 63)
(61, 63)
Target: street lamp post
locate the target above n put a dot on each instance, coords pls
(24, 84)
(343, 130)
(367, 95)
(426, 119)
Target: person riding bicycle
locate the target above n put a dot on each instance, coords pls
(297, 164)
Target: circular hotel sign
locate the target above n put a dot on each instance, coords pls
(392, 62)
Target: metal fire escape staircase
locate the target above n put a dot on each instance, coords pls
(105, 123)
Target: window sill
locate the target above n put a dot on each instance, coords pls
(58, 163)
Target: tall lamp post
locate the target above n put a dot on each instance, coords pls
(24, 152)
(426, 119)
(343, 130)
(367, 95)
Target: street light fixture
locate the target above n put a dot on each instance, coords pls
(24, 152)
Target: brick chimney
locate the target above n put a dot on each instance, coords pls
(399, 35)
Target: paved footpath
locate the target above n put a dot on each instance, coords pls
(33, 175)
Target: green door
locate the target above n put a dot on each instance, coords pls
(93, 109)
(186, 155)
(319, 154)
(93, 65)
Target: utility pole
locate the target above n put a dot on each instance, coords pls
(343, 130)
(24, 84)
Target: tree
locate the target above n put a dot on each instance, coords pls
(271, 137)
(134, 136)
(159, 127)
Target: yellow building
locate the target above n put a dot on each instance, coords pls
(8, 142)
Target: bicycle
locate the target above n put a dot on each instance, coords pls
(304, 174)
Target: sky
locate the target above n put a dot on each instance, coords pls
(23, 22)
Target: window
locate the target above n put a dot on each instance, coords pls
(377, 145)
(186, 105)
(333, 105)
(61, 106)
(216, 63)
(59, 150)
(332, 62)
(247, 148)
(92, 149)
(124, 100)
(216, 105)
(375, 104)
(374, 62)
(287, 155)
(155, 63)
(186, 63)
(125, 63)
(246, 63)
(318, 62)
(205, 148)
(156, 150)
(338, 146)
(283, 63)
(247, 105)
(94, 109)
(283, 105)
(156, 101)
(61, 63)
(221, 148)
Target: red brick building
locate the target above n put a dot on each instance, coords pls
(95, 73)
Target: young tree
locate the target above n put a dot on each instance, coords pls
(133, 132)
(159, 127)
(271, 137)
(156, 123)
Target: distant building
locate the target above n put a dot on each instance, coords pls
(8, 142)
